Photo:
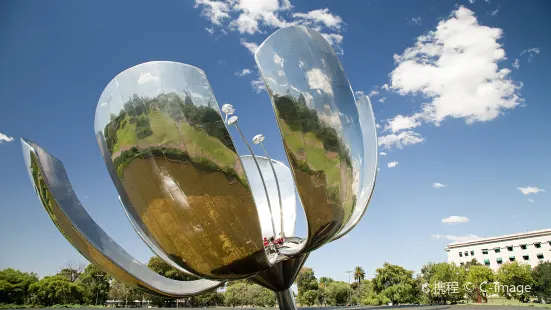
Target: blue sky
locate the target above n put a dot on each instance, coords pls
(463, 124)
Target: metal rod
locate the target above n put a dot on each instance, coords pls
(285, 300)
(261, 177)
(278, 190)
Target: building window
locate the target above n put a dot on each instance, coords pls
(472, 253)
(487, 262)
(525, 257)
(499, 260)
(510, 248)
(537, 245)
(497, 250)
(466, 253)
(540, 255)
(460, 254)
(485, 251)
(523, 246)
(511, 258)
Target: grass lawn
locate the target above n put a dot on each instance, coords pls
(502, 301)
(165, 133)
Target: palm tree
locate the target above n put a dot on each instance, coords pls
(359, 274)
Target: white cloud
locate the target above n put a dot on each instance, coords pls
(377, 126)
(531, 200)
(373, 93)
(5, 138)
(532, 52)
(243, 72)
(215, 11)
(382, 100)
(392, 164)
(251, 46)
(471, 1)
(516, 64)
(455, 219)
(455, 238)
(494, 12)
(456, 67)
(385, 87)
(146, 77)
(382, 153)
(400, 122)
(359, 93)
(400, 140)
(258, 85)
(316, 17)
(438, 185)
(249, 17)
(415, 20)
(530, 190)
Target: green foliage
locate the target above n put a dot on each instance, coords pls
(476, 275)
(248, 294)
(310, 298)
(95, 285)
(54, 290)
(542, 277)
(14, 285)
(445, 282)
(359, 274)
(338, 293)
(514, 274)
(396, 284)
(305, 281)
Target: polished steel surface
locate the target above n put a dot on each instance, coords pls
(320, 127)
(56, 194)
(177, 170)
(288, 196)
(368, 163)
(285, 300)
(193, 200)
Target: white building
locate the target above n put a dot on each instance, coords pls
(528, 247)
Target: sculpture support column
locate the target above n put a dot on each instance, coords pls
(286, 300)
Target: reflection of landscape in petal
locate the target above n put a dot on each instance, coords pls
(321, 162)
(319, 122)
(182, 174)
(68, 230)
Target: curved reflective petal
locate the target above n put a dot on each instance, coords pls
(177, 171)
(319, 124)
(368, 163)
(288, 197)
(58, 198)
(152, 246)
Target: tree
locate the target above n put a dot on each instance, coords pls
(512, 276)
(476, 275)
(120, 291)
(245, 293)
(395, 283)
(310, 298)
(306, 281)
(446, 282)
(14, 286)
(359, 274)
(95, 284)
(55, 290)
(337, 293)
(542, 277)
(71, 270)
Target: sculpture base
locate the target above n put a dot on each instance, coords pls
(286, 300)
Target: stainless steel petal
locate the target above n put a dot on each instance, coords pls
(288, 197)
(319, 124)
(368, 164)
(60, 201)
(177, 171)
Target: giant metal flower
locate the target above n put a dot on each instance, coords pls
(194, 200)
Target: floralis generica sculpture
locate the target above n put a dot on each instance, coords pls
(194, 200)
